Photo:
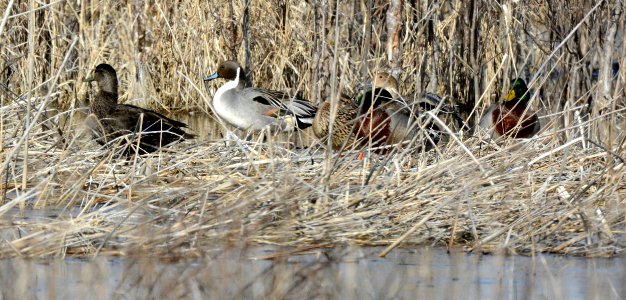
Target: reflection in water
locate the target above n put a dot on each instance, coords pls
(206, 128)
(356, 273)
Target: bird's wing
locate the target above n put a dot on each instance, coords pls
(282, 101)
(153, 115)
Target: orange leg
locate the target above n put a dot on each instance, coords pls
(361, 155)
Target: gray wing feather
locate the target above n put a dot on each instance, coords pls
(299, 107)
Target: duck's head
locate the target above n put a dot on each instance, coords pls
(106, 77)
(518, 93)
(381, 90)
(386, 81)
(228, 70)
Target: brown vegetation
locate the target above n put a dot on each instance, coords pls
(562, 192)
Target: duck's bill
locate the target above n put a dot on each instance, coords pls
(365, 86)
(211, 77)
(510, 96)
(89, 79)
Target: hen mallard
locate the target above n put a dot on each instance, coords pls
(343, 126)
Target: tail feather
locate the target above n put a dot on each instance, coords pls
(302, 108)
(431, 101)
(303, 111)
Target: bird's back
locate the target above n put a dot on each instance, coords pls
(151, 129)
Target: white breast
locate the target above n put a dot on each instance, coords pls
(228, 106)
(235, 107)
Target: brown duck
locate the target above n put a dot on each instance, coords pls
(385, 118)
(512, 118)
(151, 129)
(343, 127)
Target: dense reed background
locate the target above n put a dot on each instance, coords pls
(561, 192)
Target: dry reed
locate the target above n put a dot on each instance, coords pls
(562, 192)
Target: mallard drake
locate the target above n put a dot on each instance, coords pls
(251, 108)
(512, 118)
(153, 130)
(385, 118)
(343, 126)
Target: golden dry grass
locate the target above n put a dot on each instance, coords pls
(562, 192)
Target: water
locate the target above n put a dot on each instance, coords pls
(345, 273)
(354, 273)
(204, 126)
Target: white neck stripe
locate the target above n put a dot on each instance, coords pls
(226, 87)
(237, 77)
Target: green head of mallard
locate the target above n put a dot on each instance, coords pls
(519, 92)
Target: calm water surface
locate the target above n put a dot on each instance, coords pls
(354, 273)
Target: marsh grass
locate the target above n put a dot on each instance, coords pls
(561, 192)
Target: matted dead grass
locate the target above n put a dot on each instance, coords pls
(561, 192)
(534, 195)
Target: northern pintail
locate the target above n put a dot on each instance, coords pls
(251, 108)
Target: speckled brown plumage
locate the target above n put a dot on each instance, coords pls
(343, 126)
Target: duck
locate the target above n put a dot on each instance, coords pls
(512, 118)
(252, 108)
(386, 118)
(344, 122)
(153, 130)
